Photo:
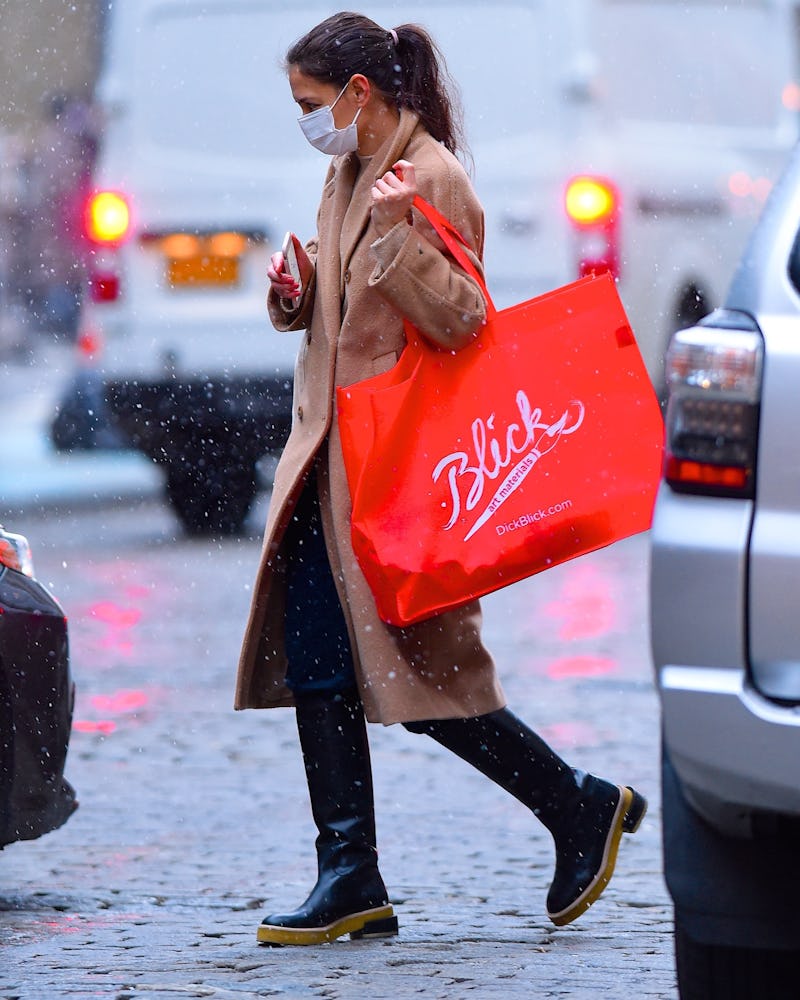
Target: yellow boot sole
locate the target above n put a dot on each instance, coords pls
(379, 922)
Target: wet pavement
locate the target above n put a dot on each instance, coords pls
(33, 475)
(194, 819)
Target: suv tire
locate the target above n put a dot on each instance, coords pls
(713, 972)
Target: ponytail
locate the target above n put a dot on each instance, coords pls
(405, 64)
(427, 87)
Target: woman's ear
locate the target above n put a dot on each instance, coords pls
(361, 89)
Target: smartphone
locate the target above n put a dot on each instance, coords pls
(290, 265)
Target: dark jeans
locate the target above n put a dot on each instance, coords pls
(317, 643)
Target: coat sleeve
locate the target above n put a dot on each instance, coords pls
(286, 315)
(416, 274)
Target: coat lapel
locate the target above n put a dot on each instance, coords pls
(357, 212)
(345, 215)
(335, 200)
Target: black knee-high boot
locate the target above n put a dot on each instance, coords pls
(586, 815)
(349, 897)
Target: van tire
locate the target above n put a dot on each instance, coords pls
(714, 972)
(211, 499)
(692, 306)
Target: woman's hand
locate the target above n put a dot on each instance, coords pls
(282, 283)
(392, 196)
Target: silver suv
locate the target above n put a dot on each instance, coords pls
(725, 625)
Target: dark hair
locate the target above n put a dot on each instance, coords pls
(410, 72)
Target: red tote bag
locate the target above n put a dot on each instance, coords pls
(537, 443)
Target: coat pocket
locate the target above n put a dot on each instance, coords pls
(384, 362)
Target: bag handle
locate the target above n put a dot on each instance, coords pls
(455, 243)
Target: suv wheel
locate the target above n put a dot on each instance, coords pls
(713, 972)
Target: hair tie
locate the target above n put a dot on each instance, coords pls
(393, 33)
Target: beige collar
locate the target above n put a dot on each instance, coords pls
(357, 210)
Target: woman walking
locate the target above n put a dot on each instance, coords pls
(377, 100)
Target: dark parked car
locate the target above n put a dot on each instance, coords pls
(36, 700)
(725, 625)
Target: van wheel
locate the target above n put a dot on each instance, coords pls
(692, 306)
(714, 972)
(211, 499)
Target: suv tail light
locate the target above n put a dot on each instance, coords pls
(592, 206)
(714, 380)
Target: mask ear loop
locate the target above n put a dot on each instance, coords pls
(358, 111)
(344, 88)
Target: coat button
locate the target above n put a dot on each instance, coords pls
(299, 412)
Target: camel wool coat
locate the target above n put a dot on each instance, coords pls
(352, 311)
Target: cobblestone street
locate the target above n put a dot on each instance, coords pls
(194, 819)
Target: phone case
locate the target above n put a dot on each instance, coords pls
(290, 263)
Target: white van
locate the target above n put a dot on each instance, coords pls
(634, 136)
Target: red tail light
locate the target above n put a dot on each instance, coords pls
(590, 201)
(714, 379)
(107, 218)
(103, 286)
(592, 206)
(89, 344)
(705, 477)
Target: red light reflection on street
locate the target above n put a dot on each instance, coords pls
(119, 703)
(65, 925)
(581, 666)
(104, 726)
(73, 923)
(569, 734)
(114, 615)
(585, 605)
(119, 622)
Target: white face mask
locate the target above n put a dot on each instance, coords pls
(319, 128)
